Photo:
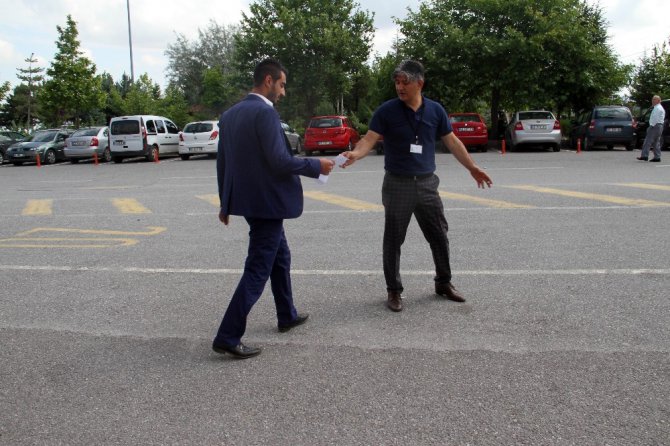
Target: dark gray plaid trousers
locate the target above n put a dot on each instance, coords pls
(403, 197)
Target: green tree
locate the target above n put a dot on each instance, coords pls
(322, 43)
(4, 89)
(14, 112)
(32, 77)
(174, 106)
(72, 91)
(652, 76)
(143, 98)
(513, 53)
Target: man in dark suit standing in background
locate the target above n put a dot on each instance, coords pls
(259, 180)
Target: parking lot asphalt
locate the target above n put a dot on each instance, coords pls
(115, 278)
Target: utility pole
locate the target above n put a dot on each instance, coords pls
(130, 43)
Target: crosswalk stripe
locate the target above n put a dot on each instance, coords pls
(588, 196)
(129, 206)
(210, 198)
(646, 186)
(484, 201)
(38, 207)
(349, 203)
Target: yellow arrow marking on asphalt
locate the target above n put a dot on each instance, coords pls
(23, 239)
(38, 207)
(129, 206)
(349, 203)
(210, 198)
(646, 186)
(588, 196)
(484, 201)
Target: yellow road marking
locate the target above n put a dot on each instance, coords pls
(129, 206)
(350, 203)
(210, 198)
(484, 201)
(40, 242)
(588, 196)
(153, 230)
(646, 186)
(38, 207)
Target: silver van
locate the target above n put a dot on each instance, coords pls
(142, 135)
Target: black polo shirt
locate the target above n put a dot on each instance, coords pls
(400, 126)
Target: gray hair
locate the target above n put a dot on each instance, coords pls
(411, 69)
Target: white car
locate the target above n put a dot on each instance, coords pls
(198, 138)
(534, 128)
(142, 135)
(293, 138)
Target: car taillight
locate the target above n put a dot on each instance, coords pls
(592, 126)
(144, 133)
(557, 125)
(518, 126)
(214, 135)
(634, 123)
(94, 141)
(181, 137)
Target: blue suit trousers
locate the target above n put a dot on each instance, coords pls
(268, 257)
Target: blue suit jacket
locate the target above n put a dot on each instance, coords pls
(257, 173)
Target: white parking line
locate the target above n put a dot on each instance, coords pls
(320, 272)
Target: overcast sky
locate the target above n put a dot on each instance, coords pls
(29, 26)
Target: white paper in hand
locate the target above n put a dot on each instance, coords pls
(340, 160)
(323, 179)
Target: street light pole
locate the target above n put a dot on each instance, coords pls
(130, 43)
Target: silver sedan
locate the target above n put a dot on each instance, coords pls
(534, 128)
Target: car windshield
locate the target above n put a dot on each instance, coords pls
(464, 118)
(199, 127)
(42, 136)
(86, 132)
(324, 123)
(523, 116)
(3, 138)
(612, 113)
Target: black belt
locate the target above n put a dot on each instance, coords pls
(411, 177)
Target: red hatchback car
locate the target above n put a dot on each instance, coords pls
(329, 133)
(470, 128)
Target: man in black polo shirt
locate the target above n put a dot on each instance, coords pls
(410, 126)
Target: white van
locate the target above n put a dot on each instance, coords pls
(142, 135)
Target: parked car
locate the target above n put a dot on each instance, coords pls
(48, 144)
(85, 142)
(533, 128)
(7, 138)
(197, 138)
(470, 128)
(142, 135)
(329, 133)
(604, 125)
(293, 138)
(643, 125)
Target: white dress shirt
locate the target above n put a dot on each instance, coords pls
(657, 115)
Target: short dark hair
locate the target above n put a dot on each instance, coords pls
(268, 66)
(411, 69)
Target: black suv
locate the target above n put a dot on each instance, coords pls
(604, 125)
(643, 125)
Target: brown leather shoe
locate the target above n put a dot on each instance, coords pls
(447, 290)
(394, 301)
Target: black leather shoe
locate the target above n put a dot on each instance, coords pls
(447, 290)
(299, 320)
(394, 301)
(655, 160)
(642, 158)
(240, 351)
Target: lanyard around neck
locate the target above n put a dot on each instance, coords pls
(415, 128)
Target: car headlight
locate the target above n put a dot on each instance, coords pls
(41, 148)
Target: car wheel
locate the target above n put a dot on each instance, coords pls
(50, 157)
(106, 155)
(117, 159)
(298, 148)
(483, 148)
(631, 145)
(152, 155)
(350, 146)
(610, 147)
(184, 157)
(2, 158)
(585, 143)
(74, 161)
(556, 147)
(18, 163)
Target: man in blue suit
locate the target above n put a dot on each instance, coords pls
(259, 180)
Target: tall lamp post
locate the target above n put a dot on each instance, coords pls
(130, 43)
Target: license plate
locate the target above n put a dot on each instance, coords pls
(119, 142)
(18, 155)
(78, 143)
(195, 149)
(324, 143)
(467, 129)
(613, 129)
(538, 127)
